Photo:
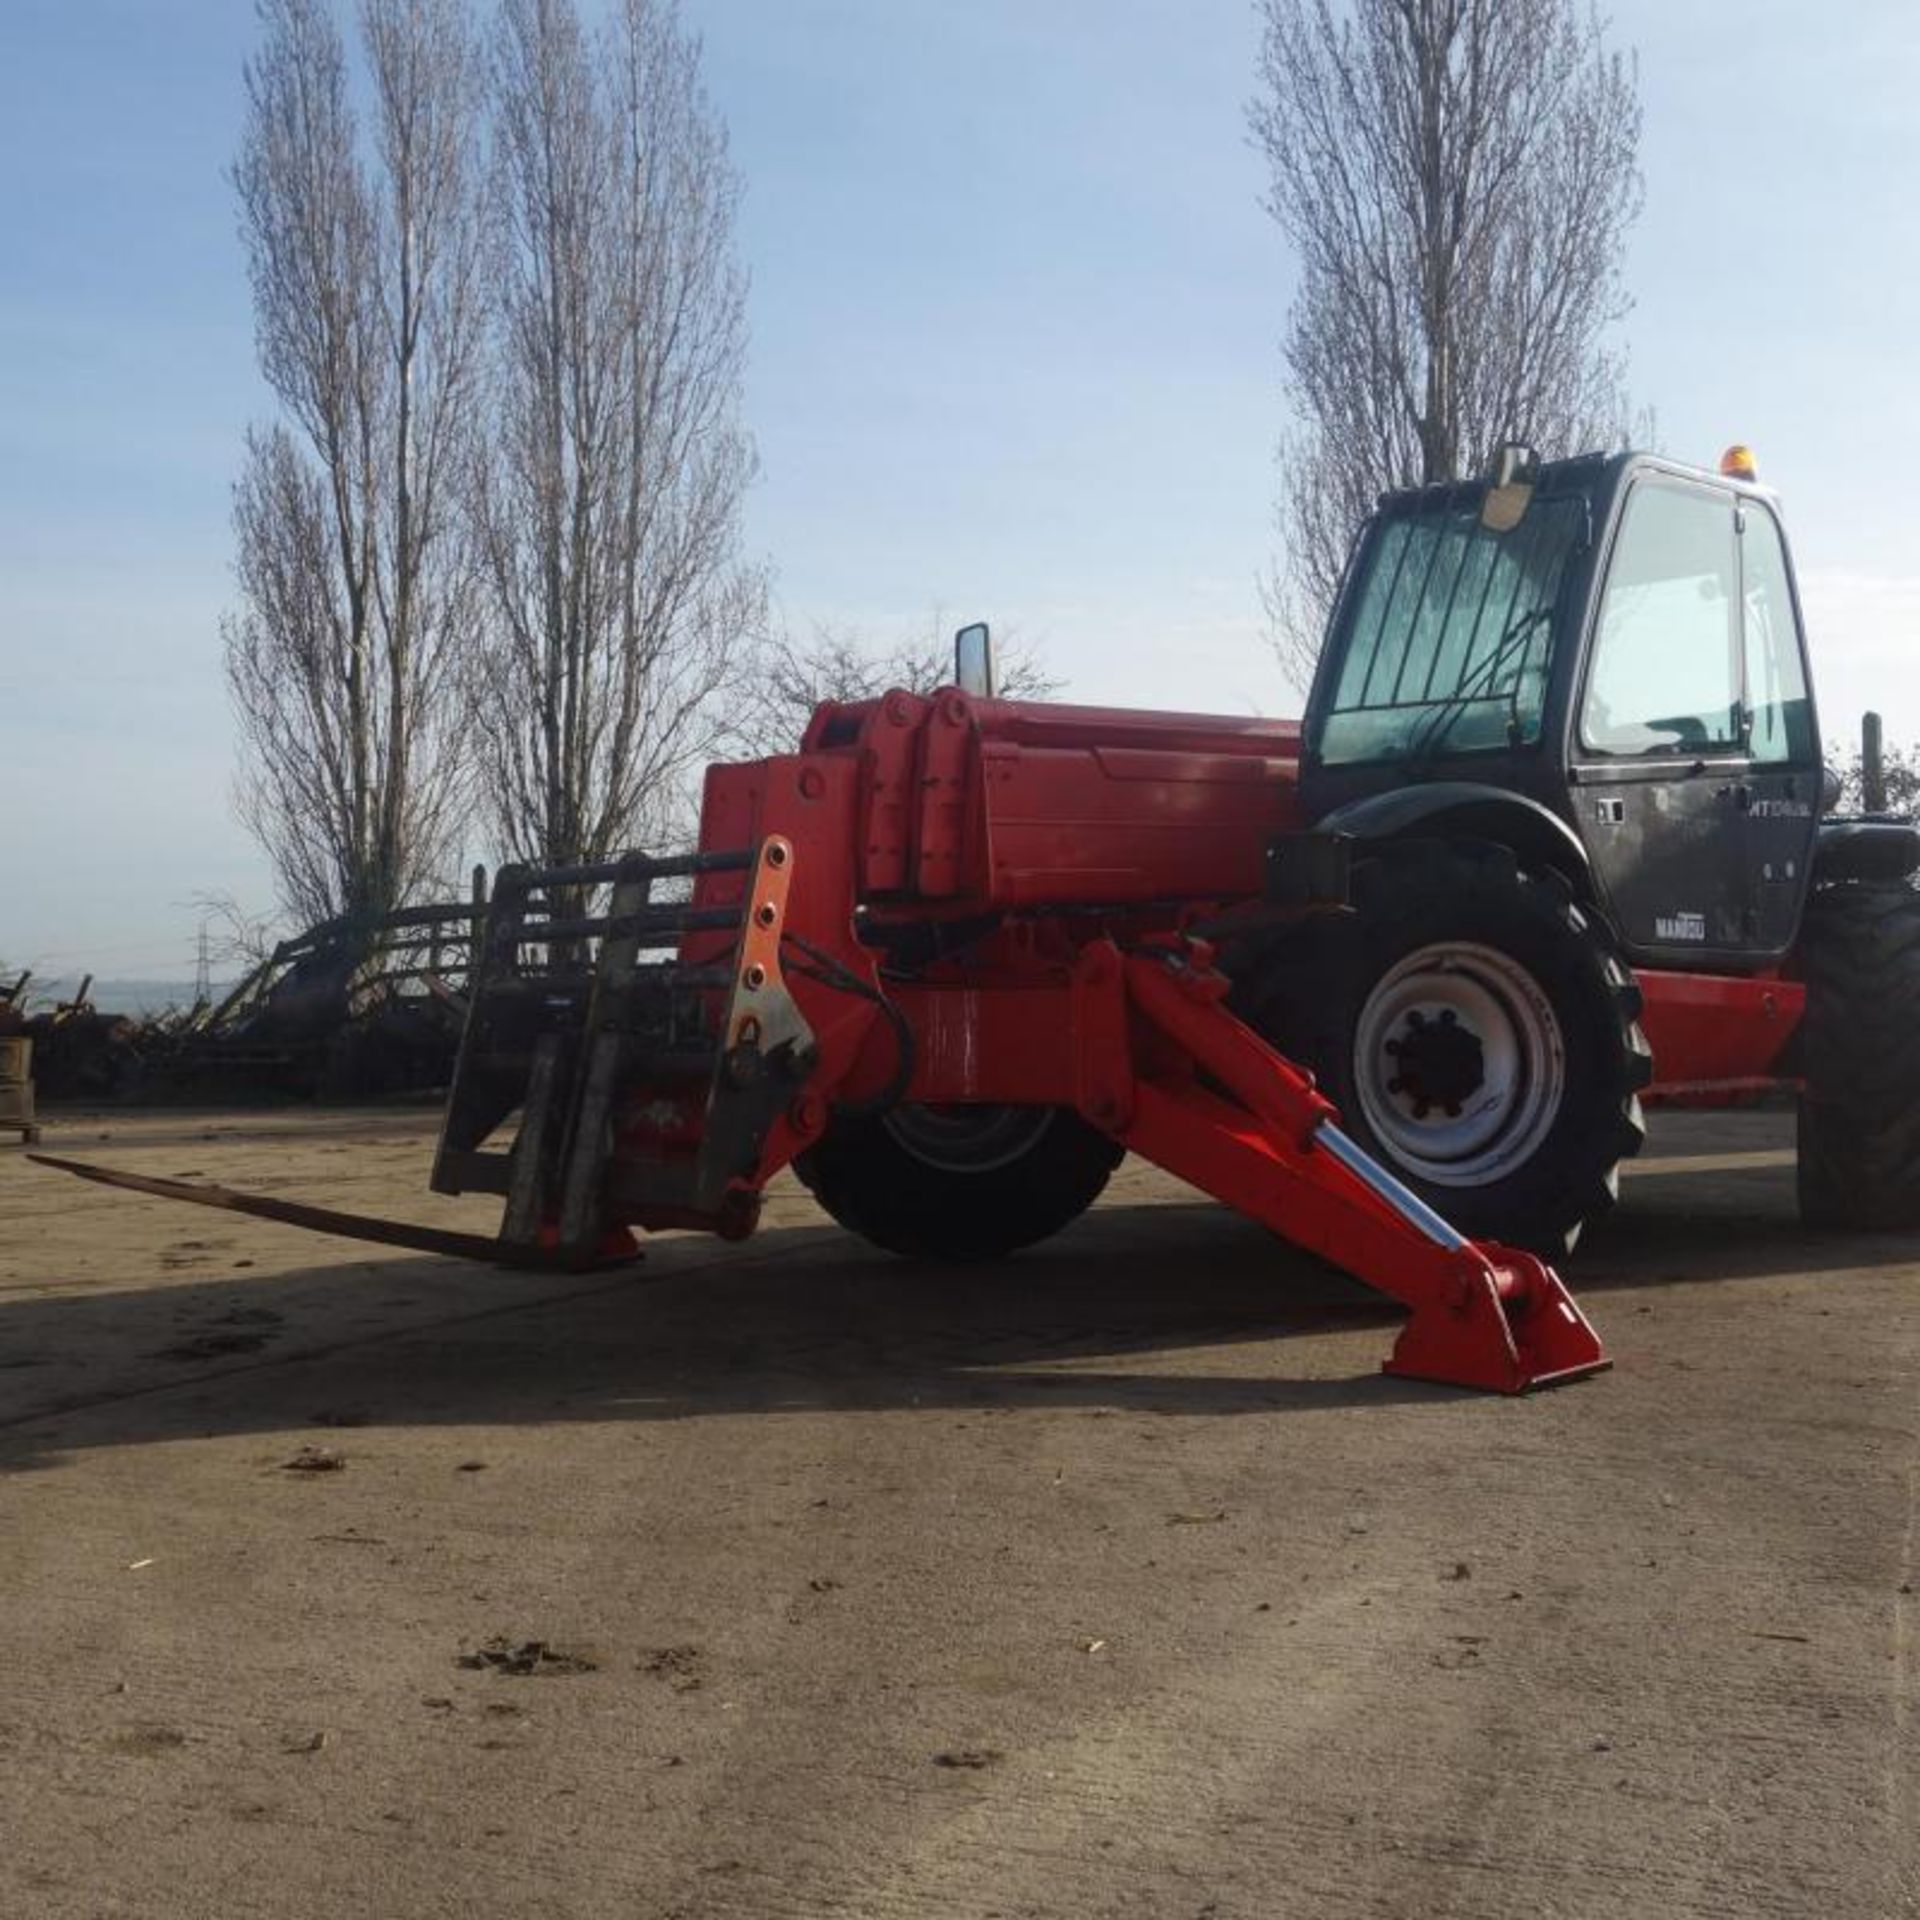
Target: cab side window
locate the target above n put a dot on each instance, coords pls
(1666, 664)
(1782, 718)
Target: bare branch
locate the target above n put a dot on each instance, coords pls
(236, 937)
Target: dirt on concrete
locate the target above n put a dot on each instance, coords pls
(787, 1579)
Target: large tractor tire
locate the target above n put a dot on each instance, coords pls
(1479, 1033)
(959, 1182)
(1859, 1157)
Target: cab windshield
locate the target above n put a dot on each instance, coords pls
(1447, 633)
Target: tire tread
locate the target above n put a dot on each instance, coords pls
(1859, 1114)
(874, 1186)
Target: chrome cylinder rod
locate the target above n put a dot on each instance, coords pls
(1402, 1199)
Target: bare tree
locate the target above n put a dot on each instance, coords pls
(620, 612)
(795, 675)
(1457, 178)
(356, 592)
(1899, 775)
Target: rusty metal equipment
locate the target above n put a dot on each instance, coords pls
(81, 1053)
(352, 1007)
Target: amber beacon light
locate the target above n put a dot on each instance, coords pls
(1737, 463)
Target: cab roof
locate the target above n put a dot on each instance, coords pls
(1597, 475)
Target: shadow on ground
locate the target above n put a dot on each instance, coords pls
(804, 1318)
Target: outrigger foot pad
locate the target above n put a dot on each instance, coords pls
(1509, 1326)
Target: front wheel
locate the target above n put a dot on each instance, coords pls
(958, 1182)
(1479, 1035)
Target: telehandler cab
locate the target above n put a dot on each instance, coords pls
(1394, 980)
(1566, 725)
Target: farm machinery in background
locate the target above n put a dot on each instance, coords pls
(354, 1008)
(1395, 980)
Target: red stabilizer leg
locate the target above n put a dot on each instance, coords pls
(1261, 1139)
(1509, 1325)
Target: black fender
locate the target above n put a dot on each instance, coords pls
(1869, 850)
(1467, 810)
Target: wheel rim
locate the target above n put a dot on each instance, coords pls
(1459, 1064)
(967, 1139)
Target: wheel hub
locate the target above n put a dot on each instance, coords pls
(1459, 1064)
(1440, 1063)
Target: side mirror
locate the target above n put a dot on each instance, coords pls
(1516, 472)
(973, 660)
(1833, 789)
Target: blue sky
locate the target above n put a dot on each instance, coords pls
(1015, 317)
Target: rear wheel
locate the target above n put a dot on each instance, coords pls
(1478, 1033)
(1859, 1132)
(959, 1182)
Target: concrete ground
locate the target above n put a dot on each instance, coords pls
(1113, 1582)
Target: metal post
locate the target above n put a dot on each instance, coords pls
(477, 938)
(1873, 766)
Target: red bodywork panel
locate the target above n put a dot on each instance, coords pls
(1718, 1040)
(979, 804)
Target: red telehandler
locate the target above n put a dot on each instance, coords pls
(1394, 980)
